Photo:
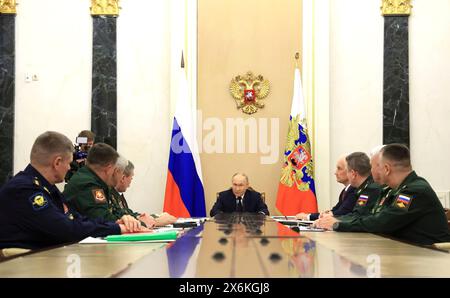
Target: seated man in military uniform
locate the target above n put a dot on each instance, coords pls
(121, 205)
(33, 212)
(89, 189)
(367, 191)
(239, 198)
(410, 210)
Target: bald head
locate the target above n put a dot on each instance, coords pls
(341, 171)
(240, 176)
(49, 145)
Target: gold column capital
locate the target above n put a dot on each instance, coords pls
(396, 7)
(8, 6)
(105, 7)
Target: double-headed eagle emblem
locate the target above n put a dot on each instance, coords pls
(298, 164)
(248, 91)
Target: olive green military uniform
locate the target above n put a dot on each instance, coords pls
(120, 205)
(410, 212)
(367, 193)
(90, 195)
(74, 167)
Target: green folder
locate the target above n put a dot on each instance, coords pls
(168, 235)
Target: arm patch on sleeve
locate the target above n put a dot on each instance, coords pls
(38, 201)
(362, 200)
(403, 202)
(99, 196)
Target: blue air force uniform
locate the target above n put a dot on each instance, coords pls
(33, 215)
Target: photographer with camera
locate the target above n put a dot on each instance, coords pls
(83, 143)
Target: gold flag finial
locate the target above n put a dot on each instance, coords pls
(297, 57)
(8, 6)
(396, 7)
(105, 7)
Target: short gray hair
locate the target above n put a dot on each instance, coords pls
(129, 169)
(121, 163)
(359, 162)
(47, 145)
(376, 150)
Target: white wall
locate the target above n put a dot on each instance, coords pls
(143, 98)
(356, 79)
(54, 42)
(429, 62)
(355, 85)
(316, 83)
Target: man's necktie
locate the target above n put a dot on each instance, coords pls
(239, 207)
(342, 195)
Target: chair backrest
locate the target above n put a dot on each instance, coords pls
(263, 194)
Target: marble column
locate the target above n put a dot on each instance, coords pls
(104, 80)
(396, 72)
(7, 77)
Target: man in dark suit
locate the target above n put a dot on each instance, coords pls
(239, 198)
(347, 197)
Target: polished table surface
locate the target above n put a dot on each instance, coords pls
(240, 245)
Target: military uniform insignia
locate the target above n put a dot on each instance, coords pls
(38, 202)
(362, 200)
(99, 196)
(403, 202)
(46, 189)
(36, 181)
(121, 204)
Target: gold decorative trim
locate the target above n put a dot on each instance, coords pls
(396, 7)
(248, 91)
(8, 6)
(105, 7)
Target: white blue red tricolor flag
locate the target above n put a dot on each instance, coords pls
(185, 196)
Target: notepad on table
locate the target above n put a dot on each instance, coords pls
(167, 235)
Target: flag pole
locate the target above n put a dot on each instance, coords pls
(182, 59)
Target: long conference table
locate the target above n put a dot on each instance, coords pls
(235, 246)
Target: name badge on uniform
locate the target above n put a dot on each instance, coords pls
(403, 202)
(362, 200)
(99, 196)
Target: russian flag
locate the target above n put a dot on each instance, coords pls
(296, 189)
(185, 196)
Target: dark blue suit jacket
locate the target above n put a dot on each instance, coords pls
(252, 202)
(346, 203)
